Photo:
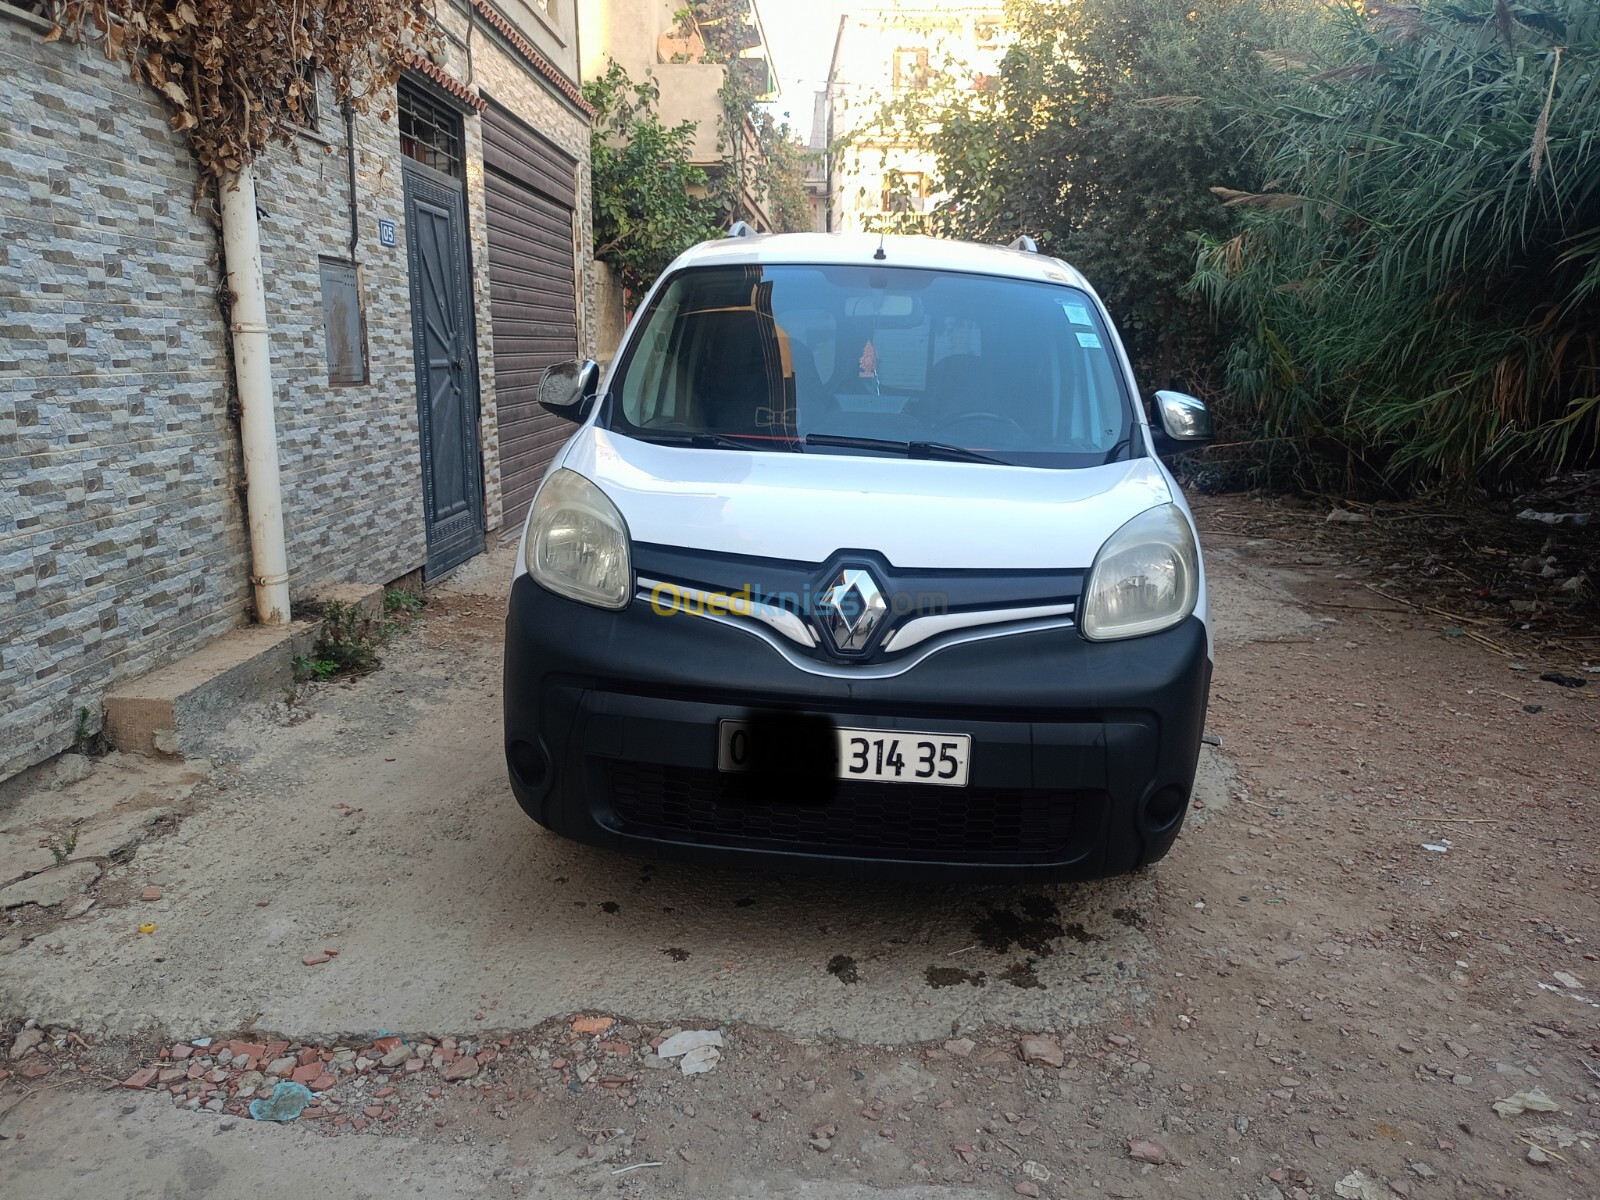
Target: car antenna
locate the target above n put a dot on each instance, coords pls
(880, 255)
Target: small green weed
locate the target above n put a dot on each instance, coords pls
(346, 642)
(308, 668)
(398, 601)
(86, 740)
(61, 848)
(349, 641)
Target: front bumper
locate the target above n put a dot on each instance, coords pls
(1083, 754)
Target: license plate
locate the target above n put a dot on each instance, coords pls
(878, 755)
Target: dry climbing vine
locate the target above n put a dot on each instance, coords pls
(240, 74)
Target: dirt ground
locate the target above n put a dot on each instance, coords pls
(1383, 916)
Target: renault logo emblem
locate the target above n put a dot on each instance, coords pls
(851, 610)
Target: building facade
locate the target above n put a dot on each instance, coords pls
(817, 163)
(663, 38)
(420, 272)
(879, 177)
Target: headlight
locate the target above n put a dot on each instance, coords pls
(577, 543)
(1146, 577)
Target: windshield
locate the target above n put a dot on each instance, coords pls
(912, 362)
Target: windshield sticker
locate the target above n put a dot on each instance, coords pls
(1089, 341)
(1077, 314)
(902, 357)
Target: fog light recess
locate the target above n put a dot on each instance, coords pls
(528, 762)
(1164, 809)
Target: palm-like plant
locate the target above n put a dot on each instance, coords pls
(1421, 284)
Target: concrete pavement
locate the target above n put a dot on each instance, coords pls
(374, 818)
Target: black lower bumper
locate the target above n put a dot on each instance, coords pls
(1082, 758)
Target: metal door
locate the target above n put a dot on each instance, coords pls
(531, 190)
(447, 383)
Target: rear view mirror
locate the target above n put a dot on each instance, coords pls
(1183, 418)
(568, 389)
(893, 310)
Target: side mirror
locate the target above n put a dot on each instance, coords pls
(567, 389)
(1183, 420)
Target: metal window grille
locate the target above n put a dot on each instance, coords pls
(430, 131)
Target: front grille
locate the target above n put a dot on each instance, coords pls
(877, 820)
(797, 588)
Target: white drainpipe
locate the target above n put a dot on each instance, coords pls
(241, 247)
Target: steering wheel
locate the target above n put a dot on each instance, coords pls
(989, 418)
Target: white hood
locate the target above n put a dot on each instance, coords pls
(916, 513)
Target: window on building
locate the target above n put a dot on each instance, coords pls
(910, 69)
(905, 191)
(430, 131)
(344, 330)
(546, 12)
(309, 111)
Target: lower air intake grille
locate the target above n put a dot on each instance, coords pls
(875, 820)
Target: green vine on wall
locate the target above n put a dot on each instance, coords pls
(649, 203)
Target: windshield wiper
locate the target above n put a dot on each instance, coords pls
(700, 441)
(1115, 453)
(940, 450)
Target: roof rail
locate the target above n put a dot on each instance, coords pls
(1026, 244)
(741, 229)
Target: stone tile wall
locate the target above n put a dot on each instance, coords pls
(350, 456)
(123, 539)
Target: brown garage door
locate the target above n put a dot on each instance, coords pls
(531, 190)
